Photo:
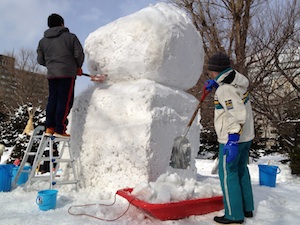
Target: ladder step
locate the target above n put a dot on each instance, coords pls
(42, 177)
(36, 178)
(65, 182)
(64, 160)
(55, 160)
(31, 153)
(37, 136)
(60, 139)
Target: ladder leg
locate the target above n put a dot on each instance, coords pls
(73, 167)
(27, 153)
(51, 162)
(38, 156)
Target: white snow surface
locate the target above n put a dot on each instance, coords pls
(159, 43)
(273, 206)
(123, 133)
(133, 118)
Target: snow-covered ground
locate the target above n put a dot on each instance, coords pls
(273, 206)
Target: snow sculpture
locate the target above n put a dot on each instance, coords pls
(123, 130)
(157, 43)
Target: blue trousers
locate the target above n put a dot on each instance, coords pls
(235, 182)
(60, 102)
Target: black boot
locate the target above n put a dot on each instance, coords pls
(248, 214)
(223, 220)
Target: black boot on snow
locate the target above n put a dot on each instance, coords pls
(223, 220)
(248, 214)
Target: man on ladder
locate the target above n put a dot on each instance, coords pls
(61, 52)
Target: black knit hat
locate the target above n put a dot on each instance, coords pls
(218, 62)
(55, 20)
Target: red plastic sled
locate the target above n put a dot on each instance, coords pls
(175, 210)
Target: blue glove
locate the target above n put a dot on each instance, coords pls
(231, 149)
(210, 84)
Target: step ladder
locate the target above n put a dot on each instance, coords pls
(47, 143)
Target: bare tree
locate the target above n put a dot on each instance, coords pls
(26, 61)
(262, 39)
(24, 81)
(273, 64)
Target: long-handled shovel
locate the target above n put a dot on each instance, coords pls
(97, 77)
(181, 151)
(214, 170)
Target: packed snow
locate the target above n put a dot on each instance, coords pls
(134, 117)
(123, 131)
(159, 43)
(273, 206)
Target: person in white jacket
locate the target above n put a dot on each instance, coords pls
(233, 121)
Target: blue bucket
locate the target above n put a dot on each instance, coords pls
(46, 199)
(23, 176)
(267, 175)
(5, 177)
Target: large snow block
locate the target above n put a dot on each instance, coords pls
(159, 43)
(123, 133)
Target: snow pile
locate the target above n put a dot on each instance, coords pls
(173, 188)
(159, 43)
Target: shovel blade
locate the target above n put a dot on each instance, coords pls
(181, 153)
(99, 77)
(214, 170)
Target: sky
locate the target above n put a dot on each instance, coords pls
(23, 23)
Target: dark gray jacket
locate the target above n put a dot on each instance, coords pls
(61, 52)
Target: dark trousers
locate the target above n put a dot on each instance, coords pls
(60, 102)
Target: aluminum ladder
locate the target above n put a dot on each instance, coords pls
(44, 143)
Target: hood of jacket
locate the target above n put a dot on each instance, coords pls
(233, 78)
(55, 31)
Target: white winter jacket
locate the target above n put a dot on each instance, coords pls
(233, 112)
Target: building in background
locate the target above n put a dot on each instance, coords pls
(19, 87)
